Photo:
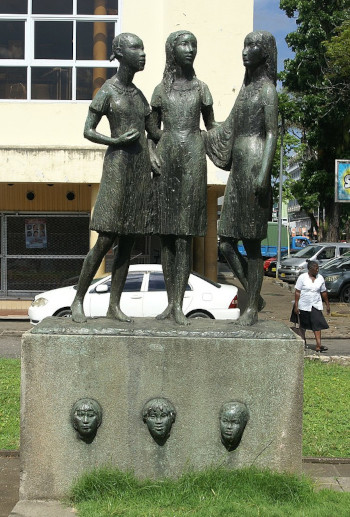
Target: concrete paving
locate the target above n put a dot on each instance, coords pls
(330, 473)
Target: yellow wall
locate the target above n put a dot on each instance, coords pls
(47, 199)
(51, 164)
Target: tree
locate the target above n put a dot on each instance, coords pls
(313, 104)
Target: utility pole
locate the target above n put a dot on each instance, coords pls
(280, 198)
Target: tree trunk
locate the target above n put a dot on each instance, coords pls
(333, 219)
(314, 229)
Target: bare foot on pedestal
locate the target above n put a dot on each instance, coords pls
(78, 312)
(166, 314)
(179, 317)
(115, 313)
(248, 318)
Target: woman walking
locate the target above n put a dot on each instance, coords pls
(310, 290)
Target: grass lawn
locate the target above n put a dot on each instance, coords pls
(9, 403)
(326, 410)
(213, 493)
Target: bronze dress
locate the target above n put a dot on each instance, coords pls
(124, 203)
(240, 143)
(182, 185)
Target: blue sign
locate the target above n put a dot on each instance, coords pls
(342, 181)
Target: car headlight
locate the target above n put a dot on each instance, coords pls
(39, 302)
(332, 278)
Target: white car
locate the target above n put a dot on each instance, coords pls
(144, 295)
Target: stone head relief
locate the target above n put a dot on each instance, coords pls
(233, 418)
(86, 418)
(159, 414)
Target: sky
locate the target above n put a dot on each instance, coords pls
(269, 17)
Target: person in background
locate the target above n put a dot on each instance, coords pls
(310, 290)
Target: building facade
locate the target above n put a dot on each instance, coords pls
(53, 58)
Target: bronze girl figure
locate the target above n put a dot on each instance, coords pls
(123, 207)
(249, 137)
(177, 103)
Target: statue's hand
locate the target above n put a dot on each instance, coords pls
(128, 138)
(155, 163)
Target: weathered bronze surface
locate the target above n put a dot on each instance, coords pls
(180, 162)
(204, 328)
(246, 143)
(86, 417)
(159, 414)
(233, 419)
(124, 204)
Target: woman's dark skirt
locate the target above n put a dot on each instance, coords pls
(313, 320)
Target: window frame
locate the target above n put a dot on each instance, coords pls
(29, 60)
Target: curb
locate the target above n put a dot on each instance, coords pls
(333, 359)
(9, 453)
(330, 461)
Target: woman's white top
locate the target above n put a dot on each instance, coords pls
(310, 292)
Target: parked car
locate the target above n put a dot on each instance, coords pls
(144, 295)
(292, 267)
(336, 274)
(271, 263)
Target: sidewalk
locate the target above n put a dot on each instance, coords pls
(326, 472)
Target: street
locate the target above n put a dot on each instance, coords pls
(279, 300)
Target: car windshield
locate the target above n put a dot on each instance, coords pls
(335, 262)
(339, 263)
(308, 252)
(92, 282)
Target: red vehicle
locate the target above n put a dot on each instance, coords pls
(271, 262)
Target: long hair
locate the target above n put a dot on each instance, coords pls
(170, 63)
(268, 45)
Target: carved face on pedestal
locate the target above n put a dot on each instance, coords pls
(233, 419)
(159, 414)
(86, 418)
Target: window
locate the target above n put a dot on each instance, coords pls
(326, 253)
(57, 49)
(133, 282)
(156, 282)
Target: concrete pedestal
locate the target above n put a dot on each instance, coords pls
(122, 366)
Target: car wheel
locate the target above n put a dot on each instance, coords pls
(345, 294)
(199, 314)
(64, 313)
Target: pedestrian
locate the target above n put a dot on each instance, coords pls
(310, 290)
